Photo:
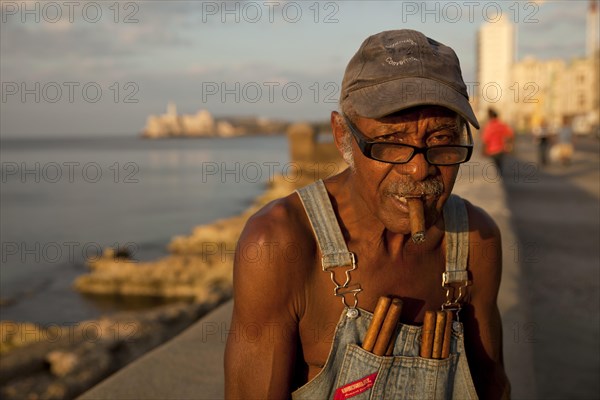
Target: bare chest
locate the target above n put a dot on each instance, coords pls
(416, 279)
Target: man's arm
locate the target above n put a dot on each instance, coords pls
(263, 337)
(483, 326)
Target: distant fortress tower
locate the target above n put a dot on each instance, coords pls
(171, 108)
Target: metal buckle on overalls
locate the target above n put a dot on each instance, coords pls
(453, 299)
(342, 291)
(331, 268)
(346, 288)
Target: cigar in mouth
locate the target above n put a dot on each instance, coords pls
(416, 215)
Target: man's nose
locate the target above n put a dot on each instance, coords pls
(418, 168)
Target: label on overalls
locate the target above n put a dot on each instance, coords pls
(355, 388)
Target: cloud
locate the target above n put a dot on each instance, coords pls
(78, 49)
(559, 32)
(196, 69)
(122, 31)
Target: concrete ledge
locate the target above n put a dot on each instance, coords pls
(479, 183)
(189, 366)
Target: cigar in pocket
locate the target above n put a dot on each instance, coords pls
(427, 333)
(392, 341)
(383, 304)
(416, 215)
(390, 348)
(388, 328)
(447, 335)
(438, 338)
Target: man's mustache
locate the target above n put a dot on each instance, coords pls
(433, 187)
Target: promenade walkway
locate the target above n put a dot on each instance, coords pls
(190, 366)
(556, 214)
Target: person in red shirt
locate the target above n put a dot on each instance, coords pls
(497, 139)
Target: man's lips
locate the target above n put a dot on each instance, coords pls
(401, 202)
(428, 191)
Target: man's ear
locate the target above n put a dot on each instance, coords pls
(337, 128)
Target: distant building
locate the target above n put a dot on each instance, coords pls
(199, 124)
(495, 57)
(555, 90)
(173, 125)
(593, 33)
(203, 124)
(537, 94)
(225, 129)
(540, 90)
(551, 90)
(593, 54)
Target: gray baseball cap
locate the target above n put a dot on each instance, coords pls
(396, 70)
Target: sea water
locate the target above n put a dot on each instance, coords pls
(62, 200)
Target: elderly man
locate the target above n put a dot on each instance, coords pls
(404, 130)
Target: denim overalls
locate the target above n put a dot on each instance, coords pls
(350, 371)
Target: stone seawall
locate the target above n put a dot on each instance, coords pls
(62, 362)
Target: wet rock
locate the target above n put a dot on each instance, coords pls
(61, 362)
(64, 367)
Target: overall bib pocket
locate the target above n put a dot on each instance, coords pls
(364, 375)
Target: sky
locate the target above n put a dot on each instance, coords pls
(88, 68)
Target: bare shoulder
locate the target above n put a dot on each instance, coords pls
(282, 227)
(272, 256)
(481, 223)
(481, 317)
(283, 216)
(269, 277)
(485, 253)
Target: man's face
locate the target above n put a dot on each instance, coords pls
(383, 186)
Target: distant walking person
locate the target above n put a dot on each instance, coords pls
(565, 142)
(497, 139)
(542, 135)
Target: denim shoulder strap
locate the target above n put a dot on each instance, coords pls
(334, 252)
(456, 222)
(457, 240)
(324, 224)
